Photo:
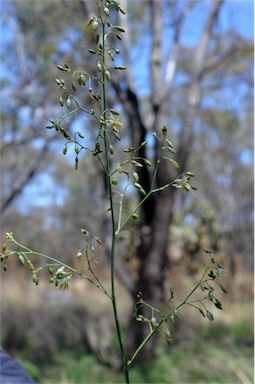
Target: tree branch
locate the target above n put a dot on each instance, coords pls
(194, 93)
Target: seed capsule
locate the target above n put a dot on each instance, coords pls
(209, 315)
(110, 54)
(210, 295)
(168, 337)
(120, 28)
(114, 181)
(106, 11)
(35, 279)
(114, 112)
(99, 67)
(92, 51)
(95, 25)
(31, 265)
(92, 248)
(107, 75)
(223, 289)
(81, 79)
(136, 176)
(21, 259)
(154, 321)
(174, 163)
(111, 149)
(79, 255)
(68, 102)
(76, 163)
(61, 101)
(137, 185)
(120, 67)
(80, 135)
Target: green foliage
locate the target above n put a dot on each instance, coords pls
(215, 362)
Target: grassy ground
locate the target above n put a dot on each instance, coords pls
(202, 362)
(52, 335)
(221, 353)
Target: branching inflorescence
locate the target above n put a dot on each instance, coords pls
(109, 131)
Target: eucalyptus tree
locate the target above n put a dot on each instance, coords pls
(176, 90)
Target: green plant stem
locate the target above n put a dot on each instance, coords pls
(120, 227)
(165, 318)
(113, 240)
(28, 251)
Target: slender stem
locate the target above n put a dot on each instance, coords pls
(120, 227)
(113, 240)
(165, 318)
(56, 262)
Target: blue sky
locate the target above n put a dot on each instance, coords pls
(235, 15)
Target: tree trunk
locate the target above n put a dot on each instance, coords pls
(157, 213)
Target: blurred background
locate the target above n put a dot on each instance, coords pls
(190, 67)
